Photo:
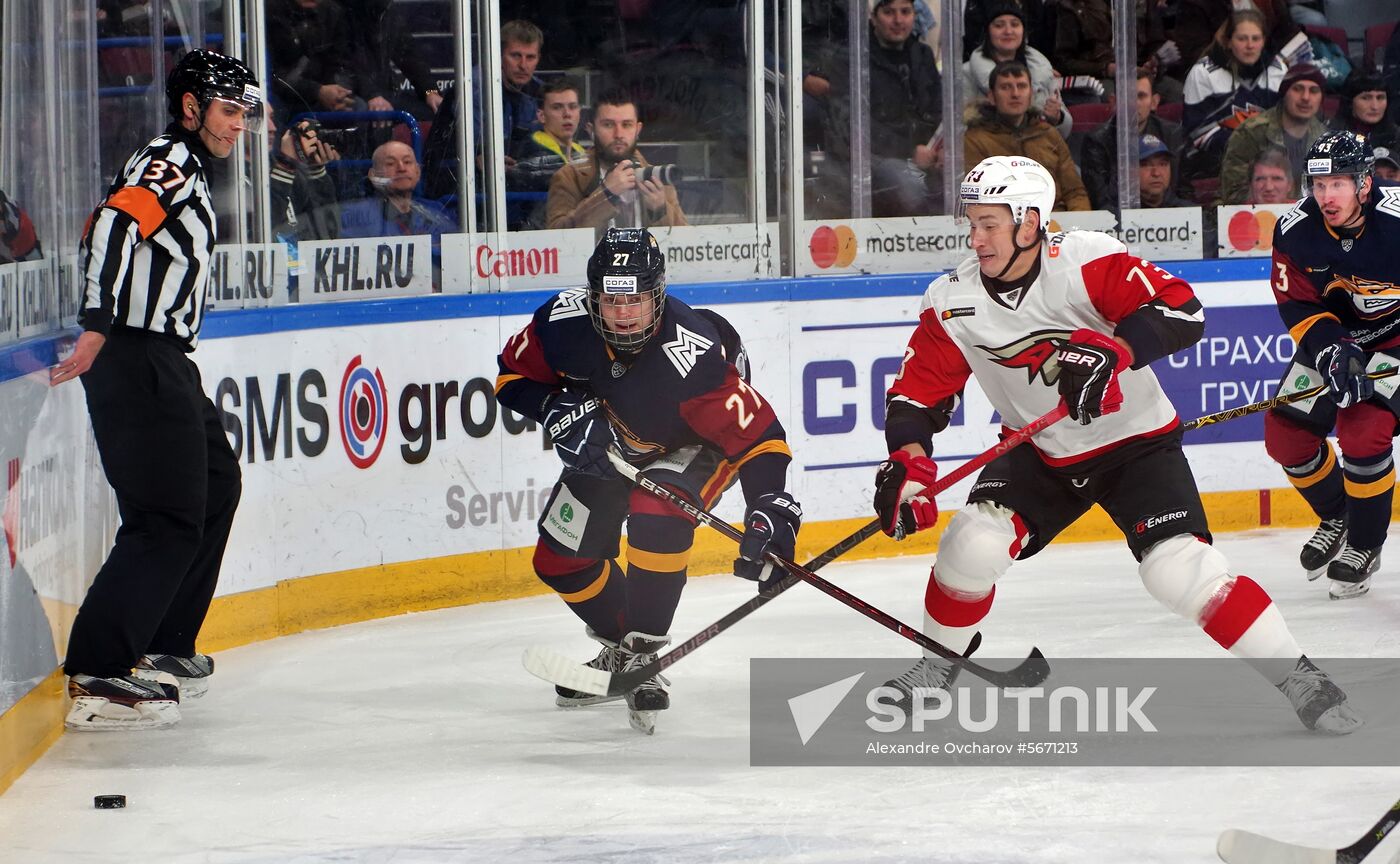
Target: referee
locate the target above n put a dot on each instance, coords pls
(145, 260)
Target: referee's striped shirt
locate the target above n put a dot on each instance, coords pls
(145, 255)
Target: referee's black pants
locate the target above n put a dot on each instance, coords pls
(177, 485)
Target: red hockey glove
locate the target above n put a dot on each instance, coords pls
(1089, 367)
(900, 498)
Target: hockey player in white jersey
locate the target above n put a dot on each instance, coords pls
(1072, 316)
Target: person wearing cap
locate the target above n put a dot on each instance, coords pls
(1011, 126)
(906, 107)
(1292, 126)
(1064, 321)
(1387, 164)
(1155, 174)
(144, 264)
(1099, 159)
(1364, 110)
(1006, 38)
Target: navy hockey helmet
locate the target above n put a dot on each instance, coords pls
(1338, 152)
(209, 75)
(626, 268)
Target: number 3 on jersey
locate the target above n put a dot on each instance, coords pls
(736, 403)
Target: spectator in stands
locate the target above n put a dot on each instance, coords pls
(1271, 179)
(1364, 110)
(1099, 156)
(906, 104)
(308, 47)
(1039, 24)
(391, 208)
(304, 205)
(1238, 78)
(521, 44)
(1155, 174)
(1011, 126)
(18, 241)
(1292, 126)
(1084, 38)
(1005, 39)
(606, 190)
(385, 53)
(1201, 25)
(550, 147)
(1387, 163)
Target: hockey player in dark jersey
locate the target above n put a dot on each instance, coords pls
(620, 363)
(1336, 278)
(1072, 316)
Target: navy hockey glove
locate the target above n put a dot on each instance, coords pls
(770, 526)
(1089, 367)
(900, 494)
(579, 428)
(1343, 367)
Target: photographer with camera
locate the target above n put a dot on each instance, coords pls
(616, 187)
(304, 204)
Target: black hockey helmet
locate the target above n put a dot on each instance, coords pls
(626, 262)
(210, 75)
(1338, 152)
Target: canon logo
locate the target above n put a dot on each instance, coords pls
(516, 262)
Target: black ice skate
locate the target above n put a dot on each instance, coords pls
(1351, 572)
(639, 649)
(190, 673)
(122, 702)
(609, 659)
(1320, 704)
(1323, 546)
(932, 673)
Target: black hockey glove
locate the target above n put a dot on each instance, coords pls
(770, 526)
(579, 428)
(1343, 367)
(1089, 367)
(901, 497)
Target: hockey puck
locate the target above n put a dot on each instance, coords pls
(109, 802)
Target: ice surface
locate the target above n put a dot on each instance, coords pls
(421, 739)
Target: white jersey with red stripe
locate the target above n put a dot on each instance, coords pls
(1009, 340)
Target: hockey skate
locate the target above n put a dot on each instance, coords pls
(931, 673)
(190, 673)
(1351, 572)
(609, 659)
(1320, 704)
(639, 649)
(121, 703)
(1324, 545)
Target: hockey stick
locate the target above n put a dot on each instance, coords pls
(1266, 404)
(1246, 847)
(558, 669)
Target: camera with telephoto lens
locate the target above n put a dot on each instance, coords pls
(334, 137)
(667, 175)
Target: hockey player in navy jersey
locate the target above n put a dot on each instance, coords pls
(621, 363)
(1072, 316)
(1336, 277)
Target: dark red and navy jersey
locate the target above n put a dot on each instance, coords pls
(687, 386)
(1331, 287)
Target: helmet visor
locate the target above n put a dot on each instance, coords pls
(248, 102)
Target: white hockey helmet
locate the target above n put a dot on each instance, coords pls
(1020, 183)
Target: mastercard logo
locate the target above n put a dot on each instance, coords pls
(1251, 230)
(832, 247)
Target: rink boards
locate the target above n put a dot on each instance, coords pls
(380, 475)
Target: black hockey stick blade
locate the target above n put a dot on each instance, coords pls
(557, 669)
(1245, 847)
